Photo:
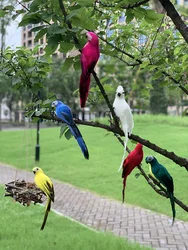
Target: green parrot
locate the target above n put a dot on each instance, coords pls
(163, 176)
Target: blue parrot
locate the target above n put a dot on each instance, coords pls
(163, 176)
(63, 112)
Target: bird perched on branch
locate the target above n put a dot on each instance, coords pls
(123, 112)
(89, 57)
(63, 112)
(44, 183)
(163, 176)
(133, 159)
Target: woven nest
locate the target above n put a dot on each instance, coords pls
(24, 192)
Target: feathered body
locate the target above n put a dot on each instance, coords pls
(123, 112)
(89, 57)
(163, 176)
(63, 112)
(133, 159)
(44, 183)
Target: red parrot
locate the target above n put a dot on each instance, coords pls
(89, 57)
(133, 159)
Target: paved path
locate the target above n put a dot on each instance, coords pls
(104, 214)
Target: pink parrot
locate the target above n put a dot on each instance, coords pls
(89, 57)
(133, 159)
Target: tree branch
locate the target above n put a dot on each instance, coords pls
(182, 162)
(120, 50)
(162, 191)
(62, 7)
(151, 181)
(106, 98)
(175, 17)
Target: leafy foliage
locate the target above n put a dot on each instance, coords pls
(129, 32)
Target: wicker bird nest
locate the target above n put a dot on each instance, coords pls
(24, 192)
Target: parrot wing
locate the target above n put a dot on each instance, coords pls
(50, 190)
(84, 65)
(75, 132)
(67, 118)
(165, 178)
(129, 120)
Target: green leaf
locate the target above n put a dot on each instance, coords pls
(30, 18)
(88, 3)
(2, 13)
(39, 112)
(67, 64)
(30, 113)
(37, 28)
(151, 14)
(47, 102)
(80, 22)
(68, 134)
(34, 6)
(50, 49)
(65, 47)
(63, 129)
(56, 29)
(40, 34)
(129, 16)
(9, 7)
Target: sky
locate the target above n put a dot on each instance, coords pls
(13, 36)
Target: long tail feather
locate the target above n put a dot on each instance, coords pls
(76, 132)
(123, 191)
(48, 207)
(84, 89)
(83, 147)
(171, 196)
(124, 152)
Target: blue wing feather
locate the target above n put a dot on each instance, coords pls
(64, 113)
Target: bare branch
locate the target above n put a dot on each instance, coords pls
(151, 181)
(106, 98)
(182, 162)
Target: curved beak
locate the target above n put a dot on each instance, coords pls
(119, 94)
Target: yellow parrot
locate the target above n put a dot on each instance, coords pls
(44, 183)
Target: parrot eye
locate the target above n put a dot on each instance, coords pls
(150, 158)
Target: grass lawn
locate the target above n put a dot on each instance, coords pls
(20, 229)
(63, 160)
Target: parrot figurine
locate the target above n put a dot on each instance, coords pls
(44, 183)
(123, 112)
(89, 57)
(133, 159)
(163, 176)
(63, 112)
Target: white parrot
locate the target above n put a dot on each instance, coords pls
(123, 112)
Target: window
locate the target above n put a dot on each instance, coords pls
(29, 34)
(29, 43)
